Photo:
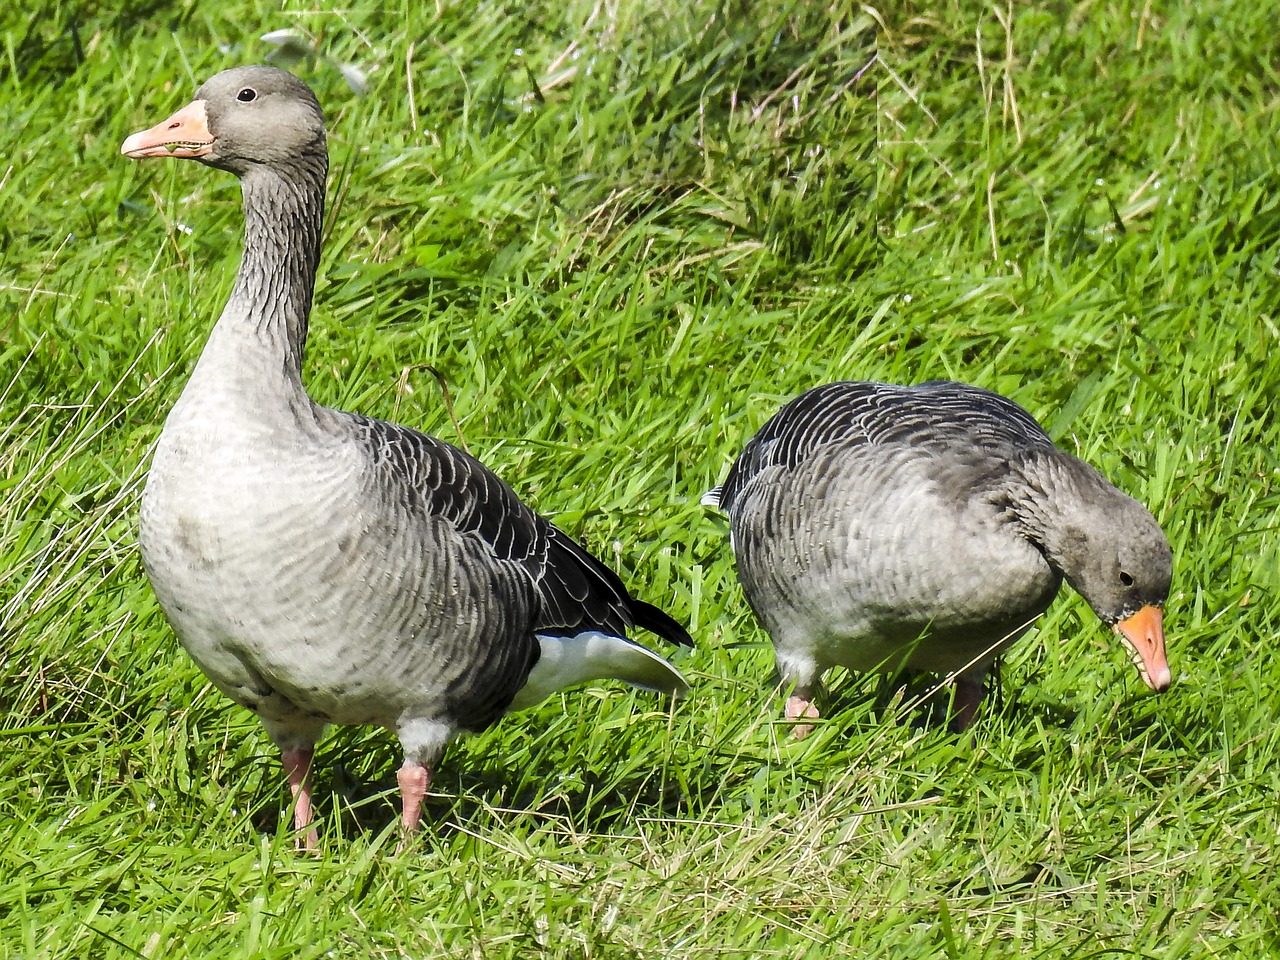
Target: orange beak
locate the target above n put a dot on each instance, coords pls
(1143, 633)
(185, 134)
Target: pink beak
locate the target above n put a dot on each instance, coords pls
(1143, 633)
(185, 134)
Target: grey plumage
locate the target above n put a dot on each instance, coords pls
(326, 567)
(879, 526)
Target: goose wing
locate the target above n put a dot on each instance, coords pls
(575, 591)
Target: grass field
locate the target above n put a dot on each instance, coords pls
(623, 233)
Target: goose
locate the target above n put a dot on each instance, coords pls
(323, 567)
(877, 527)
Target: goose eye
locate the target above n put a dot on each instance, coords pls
(247, 95)
(1126, 579)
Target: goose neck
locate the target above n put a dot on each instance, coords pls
(271, 299)
(1052, 488)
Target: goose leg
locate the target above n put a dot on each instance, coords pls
(965, 702)
(798, 670)
(800, 707)
(413, 777)
(297, 767)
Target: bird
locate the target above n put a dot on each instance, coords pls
(323, 567)
(881, 527)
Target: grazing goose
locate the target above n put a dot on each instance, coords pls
(879, 526)
(324, 567)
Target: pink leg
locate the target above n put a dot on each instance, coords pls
(297, 767)
(414, 778)
(965, 704)
(801, 707)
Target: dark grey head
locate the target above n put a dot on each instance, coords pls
(1112, 551)
(1110, 548)
(240, 119)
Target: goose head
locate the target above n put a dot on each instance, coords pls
(240, 119)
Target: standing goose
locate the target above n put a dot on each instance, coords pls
(324, 567)
(879, 526)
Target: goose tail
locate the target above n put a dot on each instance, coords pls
(659, 623)
(568, 661)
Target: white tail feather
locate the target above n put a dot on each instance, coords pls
(567, 661)
(712, 497)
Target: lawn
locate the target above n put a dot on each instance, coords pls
(621, 234)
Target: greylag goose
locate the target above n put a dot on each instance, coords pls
(878, 527)
(324, 567)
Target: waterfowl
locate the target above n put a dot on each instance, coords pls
(879, 527)
(324, 567)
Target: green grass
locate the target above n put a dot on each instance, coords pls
(624, 233)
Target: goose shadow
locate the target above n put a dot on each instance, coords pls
(351, 803)
(923, 701)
